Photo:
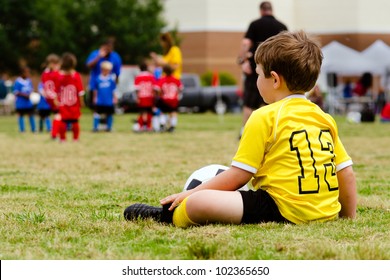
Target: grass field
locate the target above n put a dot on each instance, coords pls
(65, 201)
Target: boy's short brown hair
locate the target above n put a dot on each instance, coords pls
(52, 58)
(68, 61)
(294, 56)
(167, 69)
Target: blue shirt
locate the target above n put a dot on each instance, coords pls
(23, 86)
(105, 87)
(113, 57)
(42, 105)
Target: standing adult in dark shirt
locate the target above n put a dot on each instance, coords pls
(259, 30)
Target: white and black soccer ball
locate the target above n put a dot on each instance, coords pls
(35, 97)
(204, 174)
(354, 117)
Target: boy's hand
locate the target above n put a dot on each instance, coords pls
(175, 199)
(103, 52)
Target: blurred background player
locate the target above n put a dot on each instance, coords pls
(44, 111)
(49, 79)
(172, 55)
(145, 87)
(70, 89)
(104, 98)
(169, 94)
(23, 87)
(258, 31)
(106, 52)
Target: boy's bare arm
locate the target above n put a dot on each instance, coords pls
(347, 195)
(229, 180)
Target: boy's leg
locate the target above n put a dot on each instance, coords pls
(203, 207)
(209, 206)
(21, 123)
(31, 119)
(56, 126)
(163, 121)
(96, 120)
(62, 130)
(149, 120)
(172, 121)
(76, 130)
(110, 120)
(40, 124)
(156, 119)
(48, 123)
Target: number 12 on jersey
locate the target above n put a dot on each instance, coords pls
(316, 161)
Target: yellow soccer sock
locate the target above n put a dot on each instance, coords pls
(180, 216)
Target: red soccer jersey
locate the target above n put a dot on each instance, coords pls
(170, 90)
(70, 89)
(49, 80)
(385, 114)
(145, 85)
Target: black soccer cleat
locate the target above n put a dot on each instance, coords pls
(144, 211)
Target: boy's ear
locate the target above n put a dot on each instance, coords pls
(277, 80)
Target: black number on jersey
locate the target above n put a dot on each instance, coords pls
(309, 181)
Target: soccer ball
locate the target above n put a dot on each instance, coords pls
(35, 98)
(354, 117)
(136, 127)
(204, 174)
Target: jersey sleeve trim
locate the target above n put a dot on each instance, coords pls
(244, 166)
(343, 165)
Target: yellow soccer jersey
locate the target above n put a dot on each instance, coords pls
(174, 57)
(293, 150)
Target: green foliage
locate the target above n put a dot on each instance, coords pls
(225, 79)
(30, 30)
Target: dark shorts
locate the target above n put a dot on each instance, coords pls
(28, 111)
(252, 97)
(145, 110)
(108, 110)
(44, 113)
(165, 108)
(259, 207)
(70, 121)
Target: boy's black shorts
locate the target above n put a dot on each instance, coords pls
(165, 108)
(28, 111)
(259, 207)
(145, 109)
(108, 110)
(44, 113)
(70, 121)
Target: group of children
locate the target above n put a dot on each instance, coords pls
(60, 88)
(157, 98)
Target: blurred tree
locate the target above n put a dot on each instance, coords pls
(29, 29)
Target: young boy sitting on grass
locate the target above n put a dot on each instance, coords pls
(290, 151)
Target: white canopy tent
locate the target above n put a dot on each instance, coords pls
(379, 54)
(342, 61)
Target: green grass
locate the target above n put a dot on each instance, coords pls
(65, 201)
